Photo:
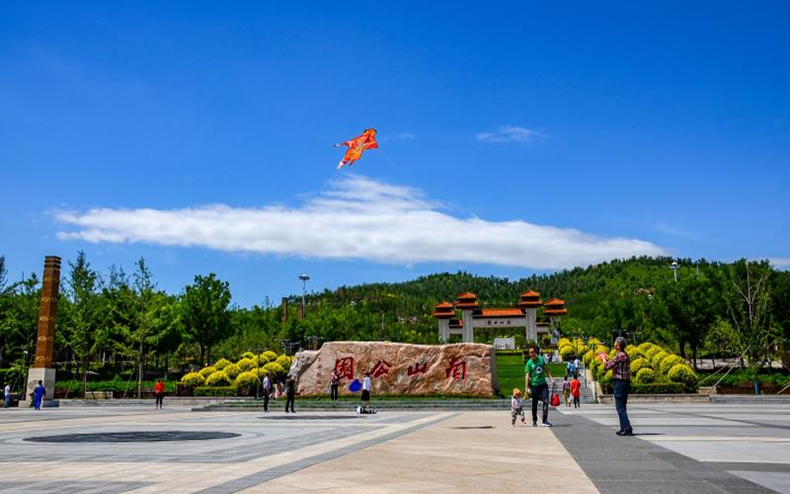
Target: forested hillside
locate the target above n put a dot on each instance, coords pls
(106, 319)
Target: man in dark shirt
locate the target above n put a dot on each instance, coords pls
(621, 374)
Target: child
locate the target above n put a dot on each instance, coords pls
(516, 404)
(575, 386)
(566, 391)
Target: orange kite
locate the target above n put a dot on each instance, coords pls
(356, 146)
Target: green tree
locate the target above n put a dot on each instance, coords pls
(82, 314)
(205, 313)
(748, 300)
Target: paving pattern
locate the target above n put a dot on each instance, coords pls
(680, 448)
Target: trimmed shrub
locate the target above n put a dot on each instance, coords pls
(601, 348)
(222, 363)
(248, 355)
(207, 371)
(660, 388)
(651, 352)
(644, 347)
(218, 379)
(645, 376)
(588, 357)
(669, 362)
(193, 379)
(263, 358)
(593, 342)
(232, 371)
(640, 363)
(284, 361)
(606, 379)
(262, 372)
(246, 364)
(682, 373)
(568, 352)
(247, 382)
(657, 358)
(275, 370)
(216, 391)
(269, 355)
(563, 342)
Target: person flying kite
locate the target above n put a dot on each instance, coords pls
(356, 146)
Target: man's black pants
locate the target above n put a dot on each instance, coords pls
(540, 392)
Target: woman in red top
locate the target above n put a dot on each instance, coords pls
(575, 391)
(159, 391)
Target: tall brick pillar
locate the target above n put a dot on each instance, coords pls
(43, 369)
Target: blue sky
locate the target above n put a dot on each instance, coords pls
(517, 140)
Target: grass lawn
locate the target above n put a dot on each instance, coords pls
(510, 372)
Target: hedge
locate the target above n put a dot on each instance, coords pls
(669, 362)
(645, 376)
(232, 371)
(216, 391)
(116, 386)
(207, 371)
(222, 363)
(218, 379)
(193, 379)
(659, 388)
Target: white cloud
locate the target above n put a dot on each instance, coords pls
(356, 218)
(511, 133)
(780, 262)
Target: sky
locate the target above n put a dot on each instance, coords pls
(513, 140)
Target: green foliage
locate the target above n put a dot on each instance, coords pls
(216, 391)
(248, 355)
(205, 312)
(119, 387)
(207, 371)
(663, 388)
(267, 356)
(682, 373)
(645, 376)
(644, 347)
(652, 351)
(218, 379)
(222, 363)
(588, 357)
(670, 361)
(193, 379)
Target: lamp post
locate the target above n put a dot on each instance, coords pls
(674, 267)
(304, 279)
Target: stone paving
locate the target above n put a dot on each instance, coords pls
(680, 448)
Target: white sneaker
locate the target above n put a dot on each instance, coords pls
(340, 165)
(546, 424)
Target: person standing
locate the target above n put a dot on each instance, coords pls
(620, 366)
(535, 382)
(566, 391)
(38, 395)
(366, 387)
(159, 393)
(7, 395)
(334, 381)
(267, 390)
(290, 394)
(577, 367)
(576, 391)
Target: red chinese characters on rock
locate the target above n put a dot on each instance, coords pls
(416, 369)
(381, 368)
(456, 369)
(344, 367)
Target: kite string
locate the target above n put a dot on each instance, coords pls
(390, 160)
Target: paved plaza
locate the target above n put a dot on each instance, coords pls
(679, 448)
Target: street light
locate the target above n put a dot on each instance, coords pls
(674, 267)
(304, 279)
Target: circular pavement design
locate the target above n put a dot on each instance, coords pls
(133, 437)
(312, 417)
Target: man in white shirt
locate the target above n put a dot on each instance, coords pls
(366, 387)
(7, 395)
(577, 365)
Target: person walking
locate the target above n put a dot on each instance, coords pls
(38, 395)
(577, 367)
(290, 394)
(566, 391)
(334, 381)
(620, 366)
(516, 407)
(535, 382)
(159, 393)
(7, 395)
(267, 391)
(576, 391)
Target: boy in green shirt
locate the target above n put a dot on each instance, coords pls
(535, 383)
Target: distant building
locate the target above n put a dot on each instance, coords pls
(473, 316)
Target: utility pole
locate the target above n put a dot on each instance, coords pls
(304, 279)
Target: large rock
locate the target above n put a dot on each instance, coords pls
(399, 368)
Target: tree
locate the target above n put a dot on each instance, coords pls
(149, 305)
(720, 339)
(748, 300)
(205, 313)
(82, 313)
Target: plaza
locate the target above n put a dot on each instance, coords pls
(678, 448)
